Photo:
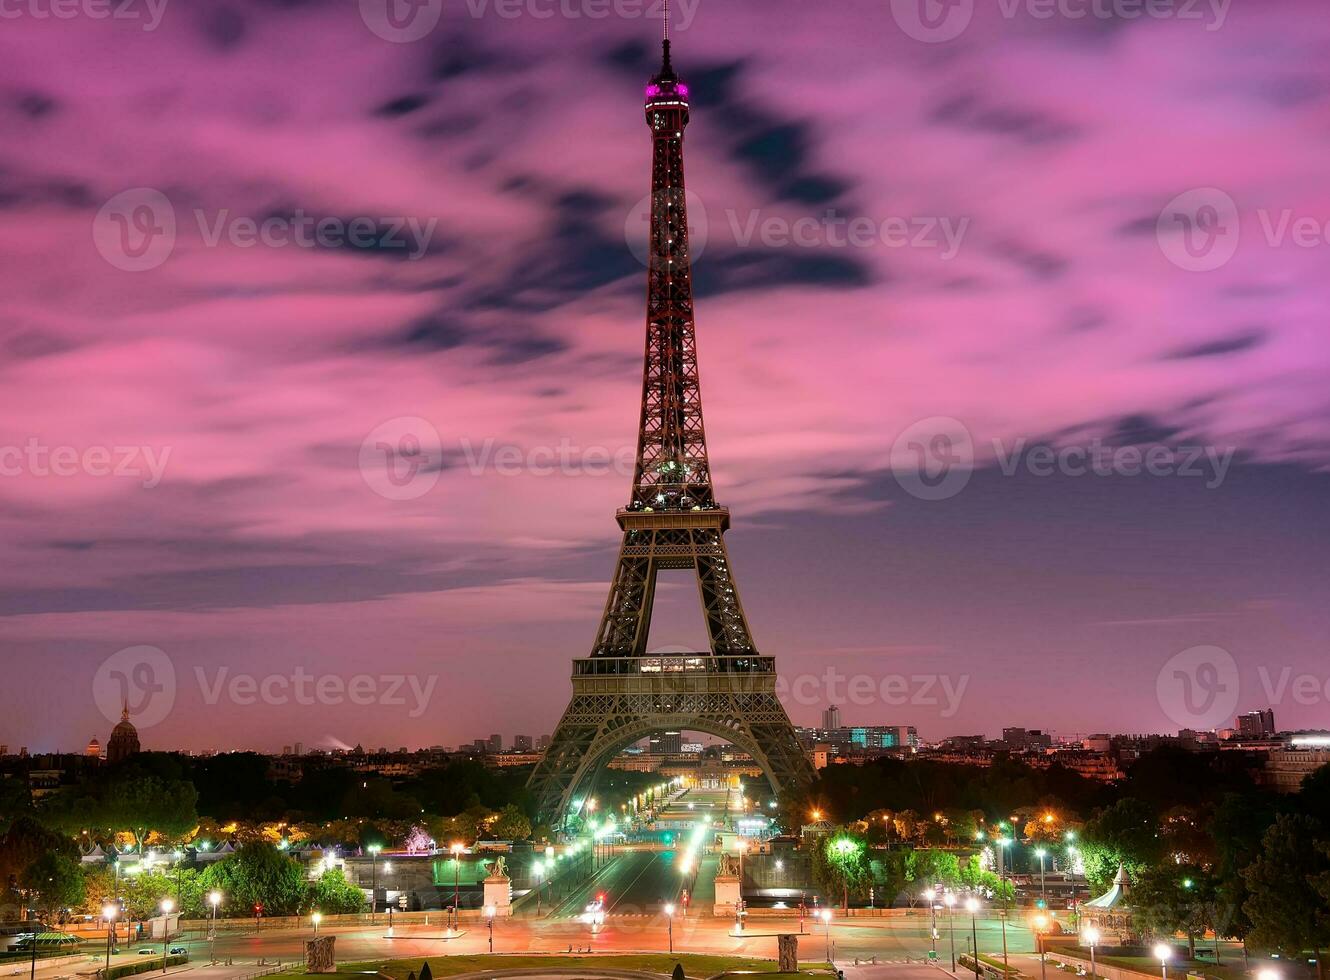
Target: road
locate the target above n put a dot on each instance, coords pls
(633, 883)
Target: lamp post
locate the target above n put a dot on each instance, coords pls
(167, 907)
(1040, 928)
(669, 924)
(1162, 952)
(457, 872)
(490, 911)
(374, 881)
(826, 917)
(949, 900)
(931, 897)
(972, 906)
(1040, 853)
(214, 899)
(1091, 937)
(179, 856)
(536, 869)
(316, 918)
(108, 913)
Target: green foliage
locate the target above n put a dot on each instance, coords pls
(1172, 898)
(1128, 833)
(258, 874)
(124, 799)
(927, 867)
(53, 882)
(840, 866)
(332, 894)
(512, 824)
(1283, 902)
(23, 843)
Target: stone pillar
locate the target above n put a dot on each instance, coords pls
(320, 956)
(788, 952)
(499, 893)
(727, 894)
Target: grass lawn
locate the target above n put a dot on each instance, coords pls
(695, 965)
(1148, 964)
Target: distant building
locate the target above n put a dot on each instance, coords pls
(1021, 740)
(543, 742)
(94, 749)
(831, 717)
(1256, 724)
(1302, 755)
(495, 743)
(666, 743)
(124, 740)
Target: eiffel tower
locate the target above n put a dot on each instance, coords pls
(621, 693)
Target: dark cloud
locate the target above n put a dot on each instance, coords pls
(1034, 126)
(1235, 344)
(223, 26)
(36, 105)
(741, 270)
(403, 105)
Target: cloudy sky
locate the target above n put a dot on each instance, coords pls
(1070, 258)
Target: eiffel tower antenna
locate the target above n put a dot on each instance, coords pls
(622, 692)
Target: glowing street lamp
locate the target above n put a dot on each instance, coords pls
(826, 917)
(168, 907)
(456, 849)
(972, 906)
(490, 912)
(949, 900)
(1091, 938)
(214, 900)
(316, 918)
(1040, 853)
(1162, 953)
(108, 913)
(669, 922)
(374, 850)
(1040, 930)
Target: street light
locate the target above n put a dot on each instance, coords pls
(167, 907)
(108, 913)
(930, 896)
(316, 918)
(1162, 952)
(1040, 853)
(826, 917)
(457, 849)
(374, 850)
(214, 899)
(949, 900)
(1040, 928)
(669, 922)
(490, 911)
(972, 906)
(1091, 938)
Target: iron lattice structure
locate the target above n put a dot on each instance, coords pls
(621, 693)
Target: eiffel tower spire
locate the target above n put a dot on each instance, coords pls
(622, 693)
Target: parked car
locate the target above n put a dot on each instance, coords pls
(148, 951)
(179, 951)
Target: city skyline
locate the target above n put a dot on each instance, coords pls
(244, 388)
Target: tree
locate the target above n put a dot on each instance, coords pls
(53, 882)
(929, 867)
(1174, 898)
(1125, 833)
(22, 844)
(333, 894)
(1283, 903)
(840, 866)
(259, 874)
(511, 824)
